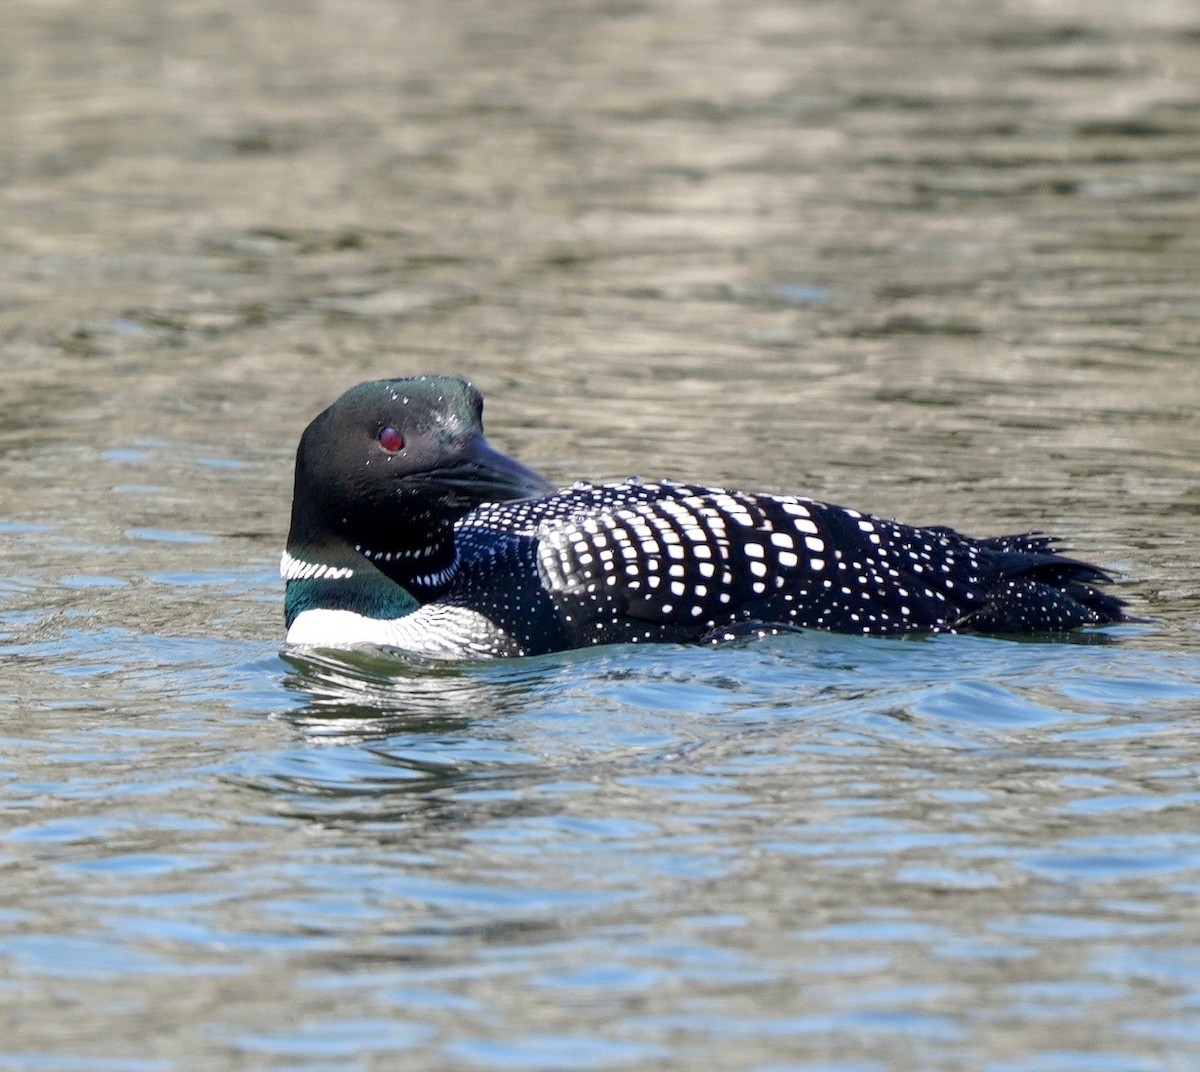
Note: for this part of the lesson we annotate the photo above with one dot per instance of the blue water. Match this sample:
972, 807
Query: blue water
806, 852
933, 261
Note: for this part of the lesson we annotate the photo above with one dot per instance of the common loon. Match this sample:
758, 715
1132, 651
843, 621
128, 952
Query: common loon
409, 531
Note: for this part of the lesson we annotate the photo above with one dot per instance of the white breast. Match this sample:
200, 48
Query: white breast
437, 631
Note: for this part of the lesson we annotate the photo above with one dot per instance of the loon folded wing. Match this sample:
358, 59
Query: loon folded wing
686, 554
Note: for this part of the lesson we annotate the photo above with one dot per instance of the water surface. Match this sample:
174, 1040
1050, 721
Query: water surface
935, 262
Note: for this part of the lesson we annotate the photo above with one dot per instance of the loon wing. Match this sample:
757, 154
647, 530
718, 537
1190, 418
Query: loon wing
689, 555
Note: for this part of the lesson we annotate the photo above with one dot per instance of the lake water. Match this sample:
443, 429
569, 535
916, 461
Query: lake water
936, 261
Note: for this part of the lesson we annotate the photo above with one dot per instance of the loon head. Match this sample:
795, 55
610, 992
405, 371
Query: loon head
387, 469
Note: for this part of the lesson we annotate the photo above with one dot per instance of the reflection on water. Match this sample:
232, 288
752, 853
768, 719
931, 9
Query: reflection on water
933, 262
356, 695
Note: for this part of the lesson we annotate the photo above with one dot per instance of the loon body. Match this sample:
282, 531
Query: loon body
408, 531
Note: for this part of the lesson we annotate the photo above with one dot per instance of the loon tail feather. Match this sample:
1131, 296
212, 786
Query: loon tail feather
1056, 571
1034, 543
1107, 608
1046, 599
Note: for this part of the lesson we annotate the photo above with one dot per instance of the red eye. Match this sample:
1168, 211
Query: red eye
390, 439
